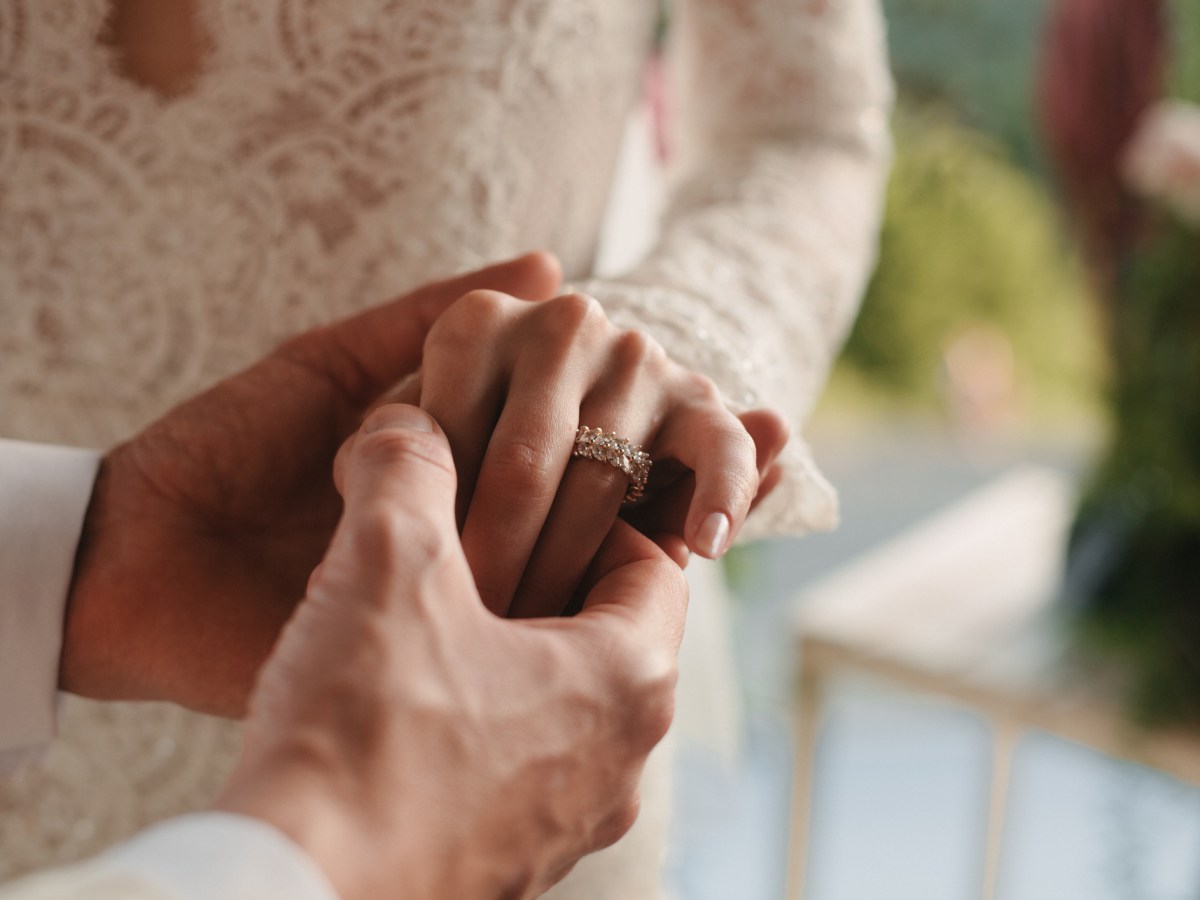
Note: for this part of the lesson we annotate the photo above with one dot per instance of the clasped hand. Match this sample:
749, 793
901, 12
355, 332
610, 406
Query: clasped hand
399, 730
204, 528
511, 381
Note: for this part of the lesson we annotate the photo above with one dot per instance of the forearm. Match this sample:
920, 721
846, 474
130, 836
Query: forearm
770, 235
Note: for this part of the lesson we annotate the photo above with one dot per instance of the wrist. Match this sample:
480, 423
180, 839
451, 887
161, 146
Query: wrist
112, 623
85, 634
294, 804
299, 797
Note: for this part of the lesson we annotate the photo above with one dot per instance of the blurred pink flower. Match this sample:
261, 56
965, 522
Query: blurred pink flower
1162, 161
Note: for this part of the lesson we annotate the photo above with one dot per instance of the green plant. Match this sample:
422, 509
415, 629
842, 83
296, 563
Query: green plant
1135, 546
969, 238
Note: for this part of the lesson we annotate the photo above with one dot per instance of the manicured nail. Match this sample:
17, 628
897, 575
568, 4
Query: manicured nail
713, 534
398, 415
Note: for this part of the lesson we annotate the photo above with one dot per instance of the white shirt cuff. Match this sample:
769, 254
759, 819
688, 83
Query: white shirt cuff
220, 856
44, 494
205, 856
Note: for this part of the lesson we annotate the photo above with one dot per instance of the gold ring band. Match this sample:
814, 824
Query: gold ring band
593, 443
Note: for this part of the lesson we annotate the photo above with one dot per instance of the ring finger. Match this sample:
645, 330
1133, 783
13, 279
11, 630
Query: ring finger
521, 470
588, 500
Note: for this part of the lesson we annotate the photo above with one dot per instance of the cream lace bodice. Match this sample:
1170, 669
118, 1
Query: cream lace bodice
332, 154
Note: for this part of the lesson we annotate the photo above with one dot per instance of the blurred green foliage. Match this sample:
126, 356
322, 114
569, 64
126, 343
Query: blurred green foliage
969, 238
1135, 545
972, 234
1185, 39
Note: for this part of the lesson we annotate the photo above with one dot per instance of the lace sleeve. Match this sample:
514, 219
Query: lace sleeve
771, 227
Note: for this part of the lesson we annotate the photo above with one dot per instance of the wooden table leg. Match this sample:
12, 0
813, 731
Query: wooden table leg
808, 714
1006, 734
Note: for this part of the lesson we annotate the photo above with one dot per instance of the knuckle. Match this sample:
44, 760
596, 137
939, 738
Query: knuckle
570, 313
702, 388
648, 692
633, 349
768, 427
463, 321
379, 528
545, 265
729, 459
581, 306
737, 441
618, 823
384, 535
397, 448
743, 476
656, 711
482, 304
524, 469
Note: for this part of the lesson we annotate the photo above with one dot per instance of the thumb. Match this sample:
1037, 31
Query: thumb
367, 353
397, 477
636, 578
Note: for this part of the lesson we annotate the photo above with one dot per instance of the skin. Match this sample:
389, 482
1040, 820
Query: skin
532, 518
511, 382
519, 763
203, 529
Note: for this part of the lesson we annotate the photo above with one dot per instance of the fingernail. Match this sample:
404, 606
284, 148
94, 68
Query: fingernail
713, 534
397, 415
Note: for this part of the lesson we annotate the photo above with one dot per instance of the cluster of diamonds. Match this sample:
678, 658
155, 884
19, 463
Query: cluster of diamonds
593, 443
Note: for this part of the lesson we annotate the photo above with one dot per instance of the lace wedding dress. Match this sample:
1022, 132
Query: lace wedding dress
332, 154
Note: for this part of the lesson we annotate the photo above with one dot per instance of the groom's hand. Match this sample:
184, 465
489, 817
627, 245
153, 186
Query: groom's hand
203, 529
402, 734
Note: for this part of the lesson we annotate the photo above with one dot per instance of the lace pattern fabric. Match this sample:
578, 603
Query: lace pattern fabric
332, 154
770, 235
328, 156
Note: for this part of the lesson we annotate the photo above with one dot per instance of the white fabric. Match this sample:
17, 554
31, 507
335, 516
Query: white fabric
44, 494
205, 856
335, 153
770, 232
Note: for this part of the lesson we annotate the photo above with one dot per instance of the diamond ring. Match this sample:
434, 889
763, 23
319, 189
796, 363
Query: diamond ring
593, 443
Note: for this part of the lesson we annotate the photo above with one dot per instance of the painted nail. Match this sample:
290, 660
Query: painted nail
397, 415
713, 534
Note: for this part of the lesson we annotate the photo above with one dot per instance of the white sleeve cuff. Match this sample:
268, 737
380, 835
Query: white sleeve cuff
220, 856
44, 494
206, 856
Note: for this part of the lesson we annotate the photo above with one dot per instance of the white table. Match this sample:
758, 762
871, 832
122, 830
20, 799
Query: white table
962, 606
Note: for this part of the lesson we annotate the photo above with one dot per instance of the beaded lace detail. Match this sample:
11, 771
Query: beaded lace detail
330, 155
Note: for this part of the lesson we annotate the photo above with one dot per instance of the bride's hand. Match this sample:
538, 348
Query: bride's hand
511, 381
